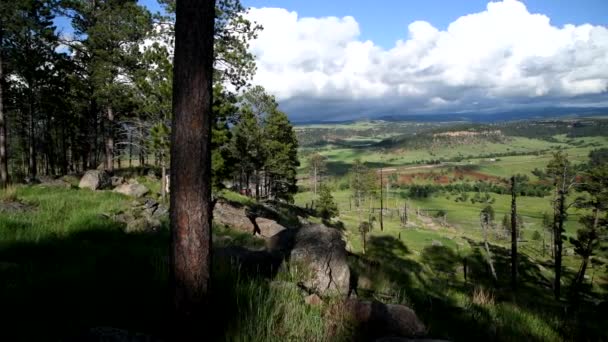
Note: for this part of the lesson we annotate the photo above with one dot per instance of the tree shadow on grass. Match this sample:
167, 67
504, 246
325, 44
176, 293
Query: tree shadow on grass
431, 288
60, 287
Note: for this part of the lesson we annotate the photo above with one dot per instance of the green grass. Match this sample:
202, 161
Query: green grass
65, 268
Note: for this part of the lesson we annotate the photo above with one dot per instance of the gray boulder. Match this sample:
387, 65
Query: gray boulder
133, 190
233, 216
385, 319
116, 181
322, 252
268, 228
95, 180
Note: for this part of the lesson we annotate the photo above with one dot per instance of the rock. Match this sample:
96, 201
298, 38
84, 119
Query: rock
133, 190
116, 181
31, 181
152, 208
437, 243
322, 251
232, 215
52, 181
95, 180
10, 207
376, 318
313, 300
132, 181
268, 228
250, 262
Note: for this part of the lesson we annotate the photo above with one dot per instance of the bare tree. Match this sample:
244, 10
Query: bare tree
513, 234
191, 205
486, 218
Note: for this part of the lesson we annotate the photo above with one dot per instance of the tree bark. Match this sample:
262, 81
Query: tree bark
513, 235
191, 205
381, 203
32, 139
3, 152
557, 230
110, 140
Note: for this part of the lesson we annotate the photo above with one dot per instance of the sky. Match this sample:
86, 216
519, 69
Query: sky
340, 59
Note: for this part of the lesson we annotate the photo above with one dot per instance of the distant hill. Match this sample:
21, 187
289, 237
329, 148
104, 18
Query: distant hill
495, 117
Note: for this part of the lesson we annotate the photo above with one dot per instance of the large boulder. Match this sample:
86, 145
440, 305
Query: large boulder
232, 215
95, 180
375, 318
322, 252
268, 228
133, 190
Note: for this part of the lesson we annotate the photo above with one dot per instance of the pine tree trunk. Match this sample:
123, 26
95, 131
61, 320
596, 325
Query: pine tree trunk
191, 206
559, 244
3, 152
513, 235
33, 170
381, 203
110, 140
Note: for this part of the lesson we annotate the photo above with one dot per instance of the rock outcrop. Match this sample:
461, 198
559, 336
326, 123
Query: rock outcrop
133, 190
268, 228
233, 216
95, 180
379, 319
322, 253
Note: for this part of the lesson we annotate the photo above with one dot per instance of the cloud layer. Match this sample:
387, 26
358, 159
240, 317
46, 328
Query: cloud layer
504, 57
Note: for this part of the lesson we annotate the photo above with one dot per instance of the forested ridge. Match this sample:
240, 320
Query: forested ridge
101, 97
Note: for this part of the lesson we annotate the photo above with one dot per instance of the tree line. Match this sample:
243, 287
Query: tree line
98, 92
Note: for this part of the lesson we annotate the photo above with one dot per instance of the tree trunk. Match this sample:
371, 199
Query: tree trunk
191, 205
130, 148
488, 252
580, 277
3, 151
32, 141
315, 180
559, 244
381, 203
110, 140
513, 235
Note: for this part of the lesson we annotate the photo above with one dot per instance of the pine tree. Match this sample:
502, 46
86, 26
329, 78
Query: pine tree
594, 223
191, 206
282, 158
326, 207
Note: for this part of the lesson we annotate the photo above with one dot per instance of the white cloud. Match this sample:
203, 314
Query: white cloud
504, 54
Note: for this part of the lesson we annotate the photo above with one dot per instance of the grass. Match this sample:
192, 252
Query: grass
65, 268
